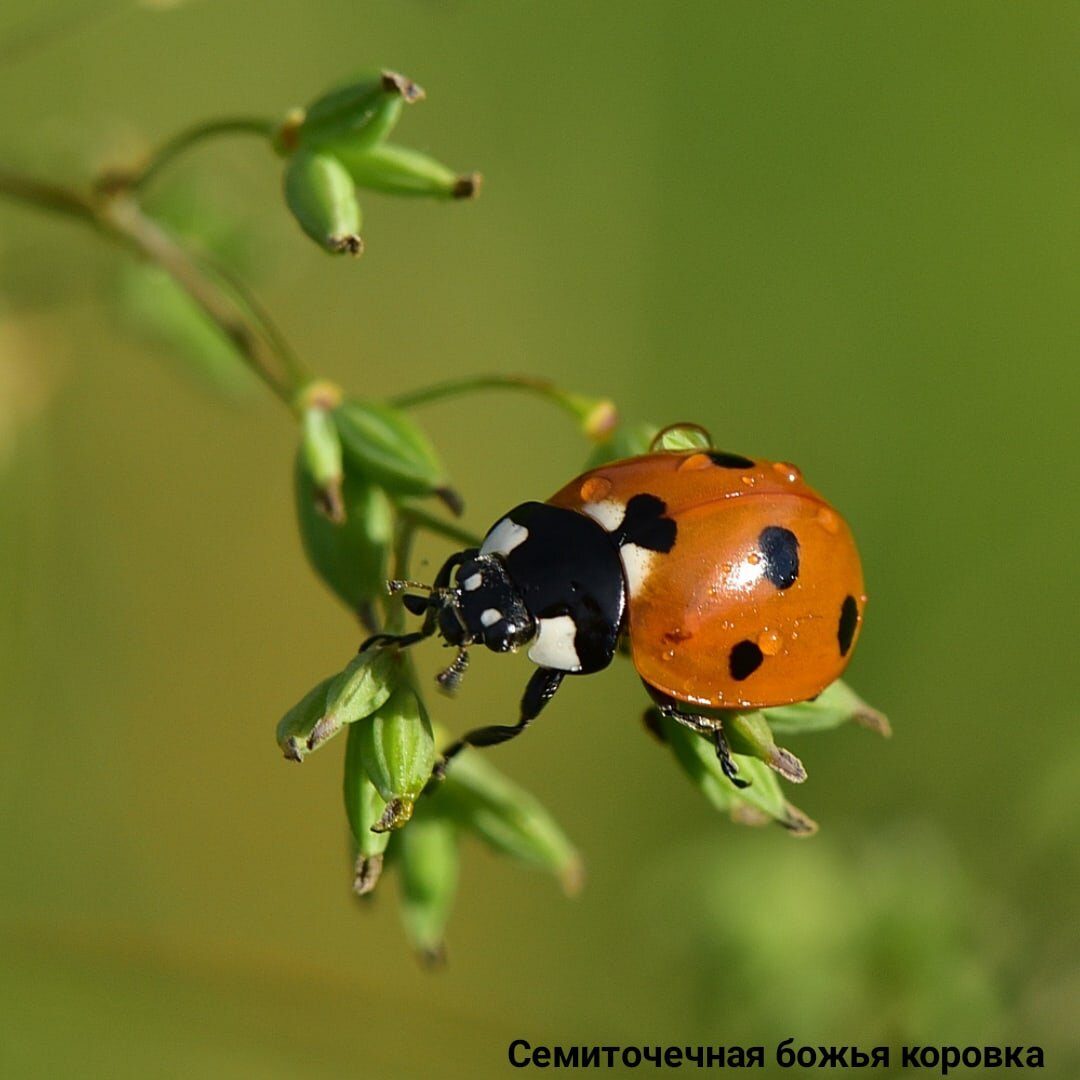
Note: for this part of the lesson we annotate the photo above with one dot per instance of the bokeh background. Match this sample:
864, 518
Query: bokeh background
844, 235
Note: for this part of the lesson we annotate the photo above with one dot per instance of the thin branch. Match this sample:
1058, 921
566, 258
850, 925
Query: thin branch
47, 196
184, 140
126, 219
231, 307
424, 520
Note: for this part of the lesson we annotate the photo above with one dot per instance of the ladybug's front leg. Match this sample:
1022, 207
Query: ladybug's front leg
539, 691
712, 729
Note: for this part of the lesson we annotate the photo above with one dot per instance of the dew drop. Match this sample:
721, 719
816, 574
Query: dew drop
595, 488
695, 462
791, 473
770, 642
828, 520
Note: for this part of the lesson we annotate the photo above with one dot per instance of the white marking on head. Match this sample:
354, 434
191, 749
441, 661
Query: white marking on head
503, 538
554, 644
637, 565
490, 616
609, 513
473, 582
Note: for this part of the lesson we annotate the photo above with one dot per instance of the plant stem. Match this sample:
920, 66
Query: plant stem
117, 214
597, 416
174, 147
422, 519
47, 196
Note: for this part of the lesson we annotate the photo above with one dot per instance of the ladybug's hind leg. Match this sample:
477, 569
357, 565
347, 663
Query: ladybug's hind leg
711, 729
539, 691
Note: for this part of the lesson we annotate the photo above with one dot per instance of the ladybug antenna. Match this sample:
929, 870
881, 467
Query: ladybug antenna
450, 679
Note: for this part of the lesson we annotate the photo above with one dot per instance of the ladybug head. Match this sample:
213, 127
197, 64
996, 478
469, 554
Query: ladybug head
482, 606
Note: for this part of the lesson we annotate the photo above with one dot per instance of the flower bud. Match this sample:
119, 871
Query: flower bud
397, 749
364, 807
507, 818
358, 114
426, 854
398, 170
389, 449
322, 197
351, 557
837, 704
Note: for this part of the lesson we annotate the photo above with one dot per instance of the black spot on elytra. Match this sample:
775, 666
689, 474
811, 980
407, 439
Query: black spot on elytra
729, 461
780, 547
644, 524
849, 620
744, 659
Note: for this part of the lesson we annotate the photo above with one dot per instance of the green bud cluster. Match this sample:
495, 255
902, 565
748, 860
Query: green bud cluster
474, 799
355, 462
338, 144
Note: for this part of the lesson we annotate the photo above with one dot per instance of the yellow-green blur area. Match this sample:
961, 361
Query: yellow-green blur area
844, 235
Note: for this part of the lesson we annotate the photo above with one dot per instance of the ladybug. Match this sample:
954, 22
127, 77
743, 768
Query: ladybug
736, 585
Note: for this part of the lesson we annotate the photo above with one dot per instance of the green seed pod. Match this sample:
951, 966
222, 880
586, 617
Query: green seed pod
363, 687
322, 197
360, 113
507, 818
762, 800
427, 856
837, 704
397, 748
748, 733
295, 727
364, 807
320, 459
397, 170
386, 446
350, 557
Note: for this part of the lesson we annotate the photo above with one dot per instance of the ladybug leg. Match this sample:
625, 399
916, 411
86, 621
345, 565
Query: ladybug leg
711, 729
723, 752
539, 691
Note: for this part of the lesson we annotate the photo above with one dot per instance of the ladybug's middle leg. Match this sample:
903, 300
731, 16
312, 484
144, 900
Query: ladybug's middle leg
539, 691
712, 729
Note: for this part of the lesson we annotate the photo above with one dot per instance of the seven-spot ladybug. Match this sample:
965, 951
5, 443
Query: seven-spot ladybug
736, 584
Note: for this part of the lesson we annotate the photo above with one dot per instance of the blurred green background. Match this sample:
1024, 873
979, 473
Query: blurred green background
844, 235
